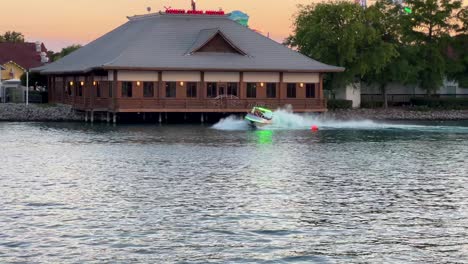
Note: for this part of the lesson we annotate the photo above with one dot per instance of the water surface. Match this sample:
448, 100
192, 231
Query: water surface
356, 193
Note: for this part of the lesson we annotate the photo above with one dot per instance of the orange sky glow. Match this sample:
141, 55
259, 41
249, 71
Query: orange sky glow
59, 23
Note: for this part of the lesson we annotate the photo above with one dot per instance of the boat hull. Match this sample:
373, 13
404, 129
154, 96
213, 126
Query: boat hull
256, 122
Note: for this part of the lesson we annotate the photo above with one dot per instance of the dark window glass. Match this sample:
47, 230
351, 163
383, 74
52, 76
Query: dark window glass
171, 89
221, 90
211, 90
271, 90
127, 88
80, 88
310, 90
191, 90
69, 88
111, 86
232, 89
251, 90
291, 93
148, 89
98, 89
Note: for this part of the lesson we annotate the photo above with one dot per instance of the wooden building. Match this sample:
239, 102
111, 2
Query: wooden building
186, 63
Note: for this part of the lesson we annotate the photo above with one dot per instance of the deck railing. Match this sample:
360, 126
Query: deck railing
218, 104
191, 105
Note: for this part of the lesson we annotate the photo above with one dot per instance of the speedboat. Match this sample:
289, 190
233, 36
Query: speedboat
259, 117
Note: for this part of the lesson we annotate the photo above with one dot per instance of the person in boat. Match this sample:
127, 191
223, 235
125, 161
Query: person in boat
258, 113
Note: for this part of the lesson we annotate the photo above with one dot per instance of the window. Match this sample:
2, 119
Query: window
271, 90
251, 90
171, 89
191, 90
291, 93
80, 88
310, 90
98, 89
111, 85
211, 90
221, 90
232, 89
127, 88
148, 89
68, 88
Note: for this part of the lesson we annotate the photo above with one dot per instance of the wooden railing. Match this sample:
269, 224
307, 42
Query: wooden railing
191, 105
217, 104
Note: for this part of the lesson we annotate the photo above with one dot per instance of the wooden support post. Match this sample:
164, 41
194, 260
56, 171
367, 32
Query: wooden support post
160, 118
114, 118
86, 116
202, 119
92, 116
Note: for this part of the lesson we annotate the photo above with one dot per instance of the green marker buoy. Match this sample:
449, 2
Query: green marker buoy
408, 10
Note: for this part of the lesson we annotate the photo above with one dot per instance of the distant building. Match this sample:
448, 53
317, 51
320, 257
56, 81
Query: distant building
17, 58
186, 63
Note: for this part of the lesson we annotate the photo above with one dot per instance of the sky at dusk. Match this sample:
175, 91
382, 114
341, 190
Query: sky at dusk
59, 23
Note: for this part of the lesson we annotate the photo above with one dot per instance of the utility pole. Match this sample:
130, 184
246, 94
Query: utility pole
27, 87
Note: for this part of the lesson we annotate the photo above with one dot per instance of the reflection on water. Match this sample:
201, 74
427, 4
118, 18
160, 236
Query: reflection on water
264, 137
193, 194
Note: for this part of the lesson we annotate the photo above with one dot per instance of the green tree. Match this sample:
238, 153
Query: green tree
462, 16
404, 66
35, 79
429, 27
12, 36
342, 34
457, 53
65, 51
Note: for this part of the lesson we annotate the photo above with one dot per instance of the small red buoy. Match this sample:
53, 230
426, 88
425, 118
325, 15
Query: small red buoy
314, 128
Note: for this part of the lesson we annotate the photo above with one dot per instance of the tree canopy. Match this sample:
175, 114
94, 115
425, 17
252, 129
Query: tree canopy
64, 52
342, 34
12, 36
382, 43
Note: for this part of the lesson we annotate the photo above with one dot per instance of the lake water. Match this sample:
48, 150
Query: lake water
354, 192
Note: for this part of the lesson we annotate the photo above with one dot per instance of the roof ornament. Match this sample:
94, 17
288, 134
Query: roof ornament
194, 5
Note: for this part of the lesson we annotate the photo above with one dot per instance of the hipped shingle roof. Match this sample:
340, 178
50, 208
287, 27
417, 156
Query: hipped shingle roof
163, 41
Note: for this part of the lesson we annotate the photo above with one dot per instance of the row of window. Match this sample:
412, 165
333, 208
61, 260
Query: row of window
213, 90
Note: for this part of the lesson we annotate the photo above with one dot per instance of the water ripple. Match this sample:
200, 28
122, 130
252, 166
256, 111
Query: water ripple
74, 193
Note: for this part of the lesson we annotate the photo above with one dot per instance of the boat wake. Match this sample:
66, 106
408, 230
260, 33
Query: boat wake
285, 119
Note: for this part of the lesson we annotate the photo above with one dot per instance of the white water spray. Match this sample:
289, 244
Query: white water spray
285, 119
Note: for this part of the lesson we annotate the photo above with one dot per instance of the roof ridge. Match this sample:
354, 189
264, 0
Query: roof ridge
163, 14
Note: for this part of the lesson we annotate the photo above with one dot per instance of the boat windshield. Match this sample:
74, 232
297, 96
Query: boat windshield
263, 112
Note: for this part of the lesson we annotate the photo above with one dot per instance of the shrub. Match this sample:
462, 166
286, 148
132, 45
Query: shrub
339, 104
440, 103
38, 97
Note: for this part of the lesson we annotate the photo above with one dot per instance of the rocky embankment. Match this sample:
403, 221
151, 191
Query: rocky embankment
38, 112
60, 113
403, 113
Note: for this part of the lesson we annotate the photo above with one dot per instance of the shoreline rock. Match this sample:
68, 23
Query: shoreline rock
64, 113
397, 114
38, 113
